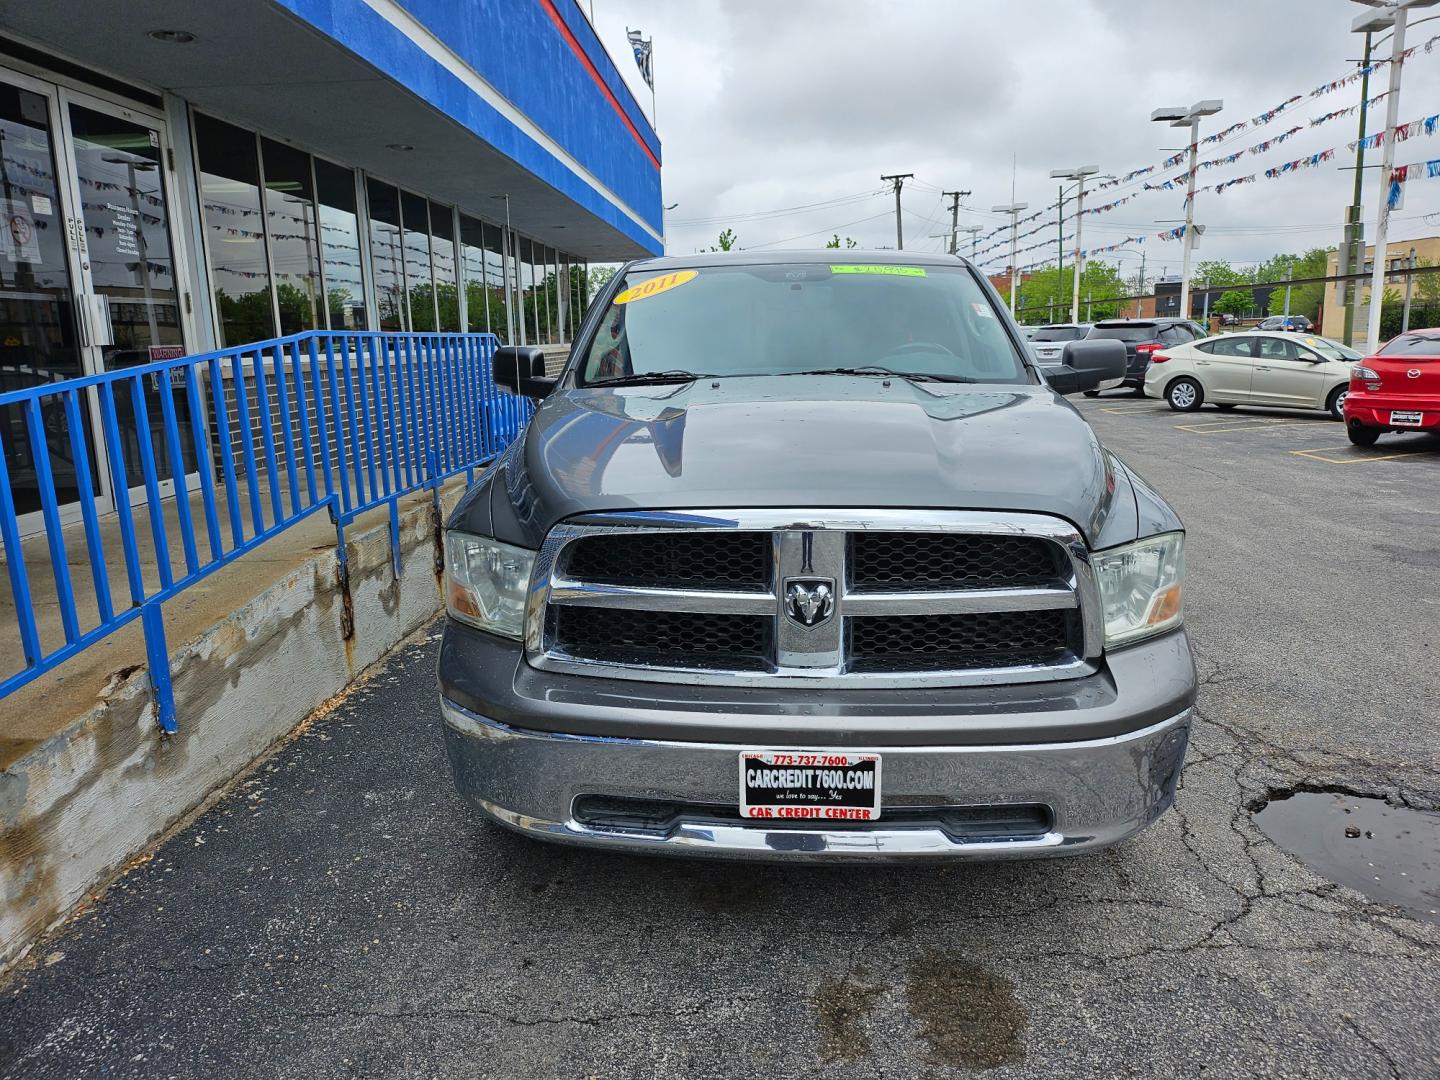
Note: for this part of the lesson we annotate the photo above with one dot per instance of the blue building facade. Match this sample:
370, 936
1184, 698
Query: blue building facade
179, 177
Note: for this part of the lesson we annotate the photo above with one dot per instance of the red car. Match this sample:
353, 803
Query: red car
1397, 389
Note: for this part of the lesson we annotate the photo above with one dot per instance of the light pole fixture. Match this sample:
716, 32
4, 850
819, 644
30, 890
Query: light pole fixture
1013, 209
1385, 13
1180, 117
974, 231
1079, 174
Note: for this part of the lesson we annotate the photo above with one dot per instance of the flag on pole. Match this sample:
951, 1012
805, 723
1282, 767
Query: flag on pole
643, 50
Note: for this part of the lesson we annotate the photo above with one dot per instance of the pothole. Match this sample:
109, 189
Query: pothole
1389, 853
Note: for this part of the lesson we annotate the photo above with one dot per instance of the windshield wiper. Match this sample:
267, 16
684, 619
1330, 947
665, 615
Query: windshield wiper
637, 378
876, 369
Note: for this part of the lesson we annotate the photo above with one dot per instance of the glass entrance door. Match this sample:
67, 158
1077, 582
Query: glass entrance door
130, 267
39, 339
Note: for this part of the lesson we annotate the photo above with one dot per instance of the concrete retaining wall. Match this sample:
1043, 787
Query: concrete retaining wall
74, 810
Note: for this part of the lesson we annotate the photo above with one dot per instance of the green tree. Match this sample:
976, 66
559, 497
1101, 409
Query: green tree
1045, 295
1235, 302
726, 240
834, 242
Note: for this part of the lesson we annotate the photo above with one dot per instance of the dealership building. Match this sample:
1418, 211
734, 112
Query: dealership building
180, 177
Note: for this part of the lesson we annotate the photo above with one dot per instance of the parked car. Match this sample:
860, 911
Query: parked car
1142, 338
1298, 323
1029, 332
1397, 389
1273, 369
1048, 342
1229, 319
806, 561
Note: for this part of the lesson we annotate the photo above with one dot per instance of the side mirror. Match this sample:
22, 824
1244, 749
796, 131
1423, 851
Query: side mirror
520, 369
1089, 364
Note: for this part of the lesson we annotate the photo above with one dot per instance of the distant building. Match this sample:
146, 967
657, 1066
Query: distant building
1397, 255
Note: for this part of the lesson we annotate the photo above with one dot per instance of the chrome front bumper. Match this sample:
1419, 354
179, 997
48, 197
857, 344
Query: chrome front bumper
1098, 791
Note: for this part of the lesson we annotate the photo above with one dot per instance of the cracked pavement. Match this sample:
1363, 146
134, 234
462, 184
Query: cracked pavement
341, 913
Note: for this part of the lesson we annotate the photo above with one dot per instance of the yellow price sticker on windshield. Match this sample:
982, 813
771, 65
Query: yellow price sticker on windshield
656, 285
897, 271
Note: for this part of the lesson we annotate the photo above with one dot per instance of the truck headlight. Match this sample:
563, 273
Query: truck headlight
486, 583
1140, 587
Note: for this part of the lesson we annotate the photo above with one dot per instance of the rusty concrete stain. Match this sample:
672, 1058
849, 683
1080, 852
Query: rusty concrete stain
967, 1015
842, 1006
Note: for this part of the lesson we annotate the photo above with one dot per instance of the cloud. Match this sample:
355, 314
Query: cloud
766, 105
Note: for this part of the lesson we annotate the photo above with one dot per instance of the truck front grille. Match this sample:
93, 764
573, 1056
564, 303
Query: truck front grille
663, 638
959, 642
816, 597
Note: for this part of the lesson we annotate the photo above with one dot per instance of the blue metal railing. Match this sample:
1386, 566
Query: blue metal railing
267, 434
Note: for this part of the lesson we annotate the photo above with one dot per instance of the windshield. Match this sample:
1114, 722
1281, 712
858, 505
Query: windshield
1128, 332
787, 318
1059, 333
1412, 345
1330, 350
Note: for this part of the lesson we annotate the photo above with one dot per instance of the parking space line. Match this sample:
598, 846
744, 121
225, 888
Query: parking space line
1216, 427
1318, 454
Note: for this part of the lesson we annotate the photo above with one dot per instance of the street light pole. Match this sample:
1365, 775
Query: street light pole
1076, 174
974, 231
1013, 209
1188, 118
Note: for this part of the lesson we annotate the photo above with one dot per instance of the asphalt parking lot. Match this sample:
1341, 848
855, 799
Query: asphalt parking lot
340, 913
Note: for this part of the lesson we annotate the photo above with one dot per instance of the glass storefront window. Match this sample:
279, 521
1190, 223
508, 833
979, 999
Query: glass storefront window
442, 249
234, 233
497, 283
529, 296
386, 258
472, 266
294, 246
415, 217
340, 246
546, 255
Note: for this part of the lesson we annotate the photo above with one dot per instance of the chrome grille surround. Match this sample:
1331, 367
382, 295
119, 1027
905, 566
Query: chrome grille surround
808, 543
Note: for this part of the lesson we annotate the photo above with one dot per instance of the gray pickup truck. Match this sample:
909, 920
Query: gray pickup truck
801, 557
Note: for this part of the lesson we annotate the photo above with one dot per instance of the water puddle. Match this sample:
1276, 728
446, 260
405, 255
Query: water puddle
1389, 853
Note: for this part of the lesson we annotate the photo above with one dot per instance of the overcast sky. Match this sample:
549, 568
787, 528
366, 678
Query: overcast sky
766, 105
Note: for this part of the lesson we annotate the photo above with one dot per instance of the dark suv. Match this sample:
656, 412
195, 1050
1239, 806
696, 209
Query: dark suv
1141, 338
800, 557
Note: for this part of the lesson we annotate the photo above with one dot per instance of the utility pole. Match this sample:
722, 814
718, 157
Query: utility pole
1013, 209
1352, 251
897, 181
1139, 302
955, 197
1289, 273
1205, 283
1409, 282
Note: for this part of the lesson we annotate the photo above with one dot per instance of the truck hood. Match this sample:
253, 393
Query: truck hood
802, 441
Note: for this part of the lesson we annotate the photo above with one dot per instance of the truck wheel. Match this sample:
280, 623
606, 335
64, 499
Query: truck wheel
1185, 395
1361, 435
1335, 405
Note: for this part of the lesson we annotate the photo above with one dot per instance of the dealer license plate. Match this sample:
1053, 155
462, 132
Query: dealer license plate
1415, 418
795, 785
